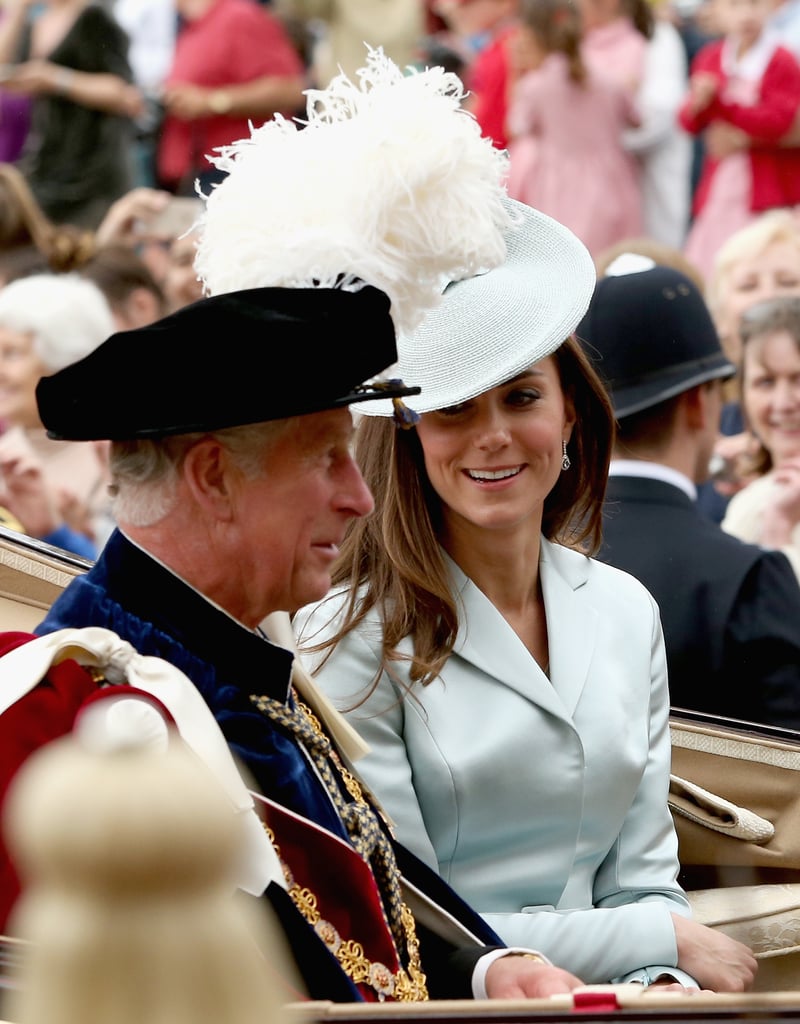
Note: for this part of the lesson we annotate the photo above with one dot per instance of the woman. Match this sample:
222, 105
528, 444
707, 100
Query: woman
57, 489
513, 690
758, 262
767, 510
71, 58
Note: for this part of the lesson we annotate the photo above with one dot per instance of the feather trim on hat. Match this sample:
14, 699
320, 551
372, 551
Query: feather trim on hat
388, 182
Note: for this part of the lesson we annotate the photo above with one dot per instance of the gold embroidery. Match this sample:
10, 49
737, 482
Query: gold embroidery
405, 986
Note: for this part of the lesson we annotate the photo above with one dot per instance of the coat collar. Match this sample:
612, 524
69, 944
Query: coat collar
487, 641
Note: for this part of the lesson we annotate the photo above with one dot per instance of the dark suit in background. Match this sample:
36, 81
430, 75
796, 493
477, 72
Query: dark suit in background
730, 611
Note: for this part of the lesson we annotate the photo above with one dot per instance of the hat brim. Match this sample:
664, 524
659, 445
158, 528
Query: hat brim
644, 394
490, 327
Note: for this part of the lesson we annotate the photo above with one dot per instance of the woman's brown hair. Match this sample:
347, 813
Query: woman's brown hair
391, 560
25, 228
556, 25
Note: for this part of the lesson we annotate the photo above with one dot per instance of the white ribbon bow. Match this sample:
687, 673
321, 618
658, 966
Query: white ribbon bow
24, 667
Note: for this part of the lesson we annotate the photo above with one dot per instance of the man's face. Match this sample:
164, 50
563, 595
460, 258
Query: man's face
292, 519
712, 397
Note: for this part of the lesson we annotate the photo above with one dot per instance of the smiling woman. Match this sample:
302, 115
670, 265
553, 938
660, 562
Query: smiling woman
487, 659
767, 511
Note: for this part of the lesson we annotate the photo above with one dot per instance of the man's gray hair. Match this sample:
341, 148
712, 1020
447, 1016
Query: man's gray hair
145, 473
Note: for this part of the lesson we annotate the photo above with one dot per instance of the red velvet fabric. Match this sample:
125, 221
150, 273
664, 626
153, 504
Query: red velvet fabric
45, 713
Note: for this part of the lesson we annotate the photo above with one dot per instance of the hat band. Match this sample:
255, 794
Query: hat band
691, 367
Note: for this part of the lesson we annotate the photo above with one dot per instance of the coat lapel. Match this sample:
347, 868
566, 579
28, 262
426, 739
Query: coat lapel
572, 619
487, 641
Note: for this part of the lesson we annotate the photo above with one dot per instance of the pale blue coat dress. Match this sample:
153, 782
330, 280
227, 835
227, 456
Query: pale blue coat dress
543, 802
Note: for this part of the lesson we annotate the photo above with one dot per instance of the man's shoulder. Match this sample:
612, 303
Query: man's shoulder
676, 533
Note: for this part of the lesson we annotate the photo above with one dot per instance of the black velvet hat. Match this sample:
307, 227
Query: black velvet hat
650, 336
233, 359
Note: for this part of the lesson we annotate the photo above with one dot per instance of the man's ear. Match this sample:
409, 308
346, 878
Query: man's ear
696, 406
207, 474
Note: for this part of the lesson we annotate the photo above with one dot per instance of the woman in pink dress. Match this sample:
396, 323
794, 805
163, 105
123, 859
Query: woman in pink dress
748, 80
566, 123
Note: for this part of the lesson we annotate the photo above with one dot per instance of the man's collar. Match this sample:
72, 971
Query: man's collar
653, 471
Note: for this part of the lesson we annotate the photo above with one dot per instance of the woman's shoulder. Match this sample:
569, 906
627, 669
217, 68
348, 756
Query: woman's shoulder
609, 586
320, 620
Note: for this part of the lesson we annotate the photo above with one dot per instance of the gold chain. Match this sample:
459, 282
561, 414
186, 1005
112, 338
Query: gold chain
404, 986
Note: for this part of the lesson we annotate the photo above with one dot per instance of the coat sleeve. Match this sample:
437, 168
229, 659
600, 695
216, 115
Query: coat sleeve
636, 888
762, 642
771, 117
705, 61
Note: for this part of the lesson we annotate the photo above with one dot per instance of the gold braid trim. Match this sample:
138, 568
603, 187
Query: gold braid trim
405, 986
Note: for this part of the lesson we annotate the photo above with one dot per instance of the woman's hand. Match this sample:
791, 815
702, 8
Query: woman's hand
715, 960
35, 78
703, 87
128, 219
780, 517
731, 463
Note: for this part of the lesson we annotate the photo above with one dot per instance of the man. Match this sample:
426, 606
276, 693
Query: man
233, 63
234, 485
730, 611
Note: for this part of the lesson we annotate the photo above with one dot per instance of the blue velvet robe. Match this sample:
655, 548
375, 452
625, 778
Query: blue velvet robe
132, 594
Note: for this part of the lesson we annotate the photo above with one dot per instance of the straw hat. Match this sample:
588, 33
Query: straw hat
489, 327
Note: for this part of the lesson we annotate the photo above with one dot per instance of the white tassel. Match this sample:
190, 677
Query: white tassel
389, 183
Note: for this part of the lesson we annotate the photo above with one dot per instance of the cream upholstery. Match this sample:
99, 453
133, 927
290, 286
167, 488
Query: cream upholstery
764, 917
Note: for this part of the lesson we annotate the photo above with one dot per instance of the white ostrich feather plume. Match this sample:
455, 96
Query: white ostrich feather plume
390, 183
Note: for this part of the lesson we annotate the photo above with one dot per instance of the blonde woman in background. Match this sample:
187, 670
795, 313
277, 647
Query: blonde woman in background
767, 510
760, 261
57, 489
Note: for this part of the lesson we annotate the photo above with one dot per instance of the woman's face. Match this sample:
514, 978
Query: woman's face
771, 391
20, 370
770, 273
180, 283
744, 19
494, 459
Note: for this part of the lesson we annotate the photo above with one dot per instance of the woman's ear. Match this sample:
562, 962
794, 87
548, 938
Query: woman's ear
569, 417
207, 473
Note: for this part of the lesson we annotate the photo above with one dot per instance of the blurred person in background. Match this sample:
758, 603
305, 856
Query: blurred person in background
131, 290
745, 79
758, 262
29, 241
337, 31
234, 63
565, 123
767, 510
642, 51
730, 611
151, 27
70, 56
57, 489
180, 283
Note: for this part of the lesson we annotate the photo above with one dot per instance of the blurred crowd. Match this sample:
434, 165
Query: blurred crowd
658, 126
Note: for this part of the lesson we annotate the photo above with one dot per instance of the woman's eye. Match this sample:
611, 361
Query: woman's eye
453, 410
523, 396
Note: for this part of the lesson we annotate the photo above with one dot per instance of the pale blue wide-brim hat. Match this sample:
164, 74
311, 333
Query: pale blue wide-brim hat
488, 328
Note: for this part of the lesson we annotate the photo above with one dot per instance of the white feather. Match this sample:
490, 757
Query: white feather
389, 182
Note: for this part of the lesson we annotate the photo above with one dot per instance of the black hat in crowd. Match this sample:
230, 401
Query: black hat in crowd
233, 359
650, 336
